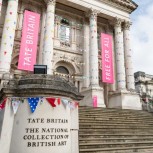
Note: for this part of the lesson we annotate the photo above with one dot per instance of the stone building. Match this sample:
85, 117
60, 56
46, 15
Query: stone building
69, 44
144, 84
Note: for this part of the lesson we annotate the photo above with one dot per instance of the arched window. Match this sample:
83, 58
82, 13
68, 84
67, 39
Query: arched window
65, 31
62, 69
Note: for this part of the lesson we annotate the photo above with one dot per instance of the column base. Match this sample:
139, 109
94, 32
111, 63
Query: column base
125, 100
88, 96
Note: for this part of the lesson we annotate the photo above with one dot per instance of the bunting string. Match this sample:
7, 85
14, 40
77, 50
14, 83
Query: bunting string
33, 102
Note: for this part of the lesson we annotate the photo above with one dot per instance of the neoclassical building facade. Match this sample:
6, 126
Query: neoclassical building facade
69, 44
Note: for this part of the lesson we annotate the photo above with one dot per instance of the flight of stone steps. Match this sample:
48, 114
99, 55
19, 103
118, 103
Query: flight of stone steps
115, 131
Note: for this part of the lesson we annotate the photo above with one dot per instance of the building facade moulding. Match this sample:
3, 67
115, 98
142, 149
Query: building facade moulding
118, 22
124, 3
50, 2
93, 12
127, 25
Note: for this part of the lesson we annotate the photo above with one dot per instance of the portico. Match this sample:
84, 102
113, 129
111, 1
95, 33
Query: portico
68, 38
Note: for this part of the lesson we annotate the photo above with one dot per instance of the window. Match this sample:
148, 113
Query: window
62, 69
65, 31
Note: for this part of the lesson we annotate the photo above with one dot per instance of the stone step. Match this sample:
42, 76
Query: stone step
116, 139
88, 123
115, 122
115, 119
134, 131
115, 131
107, 110
117, 115
102, 126
114, 144
115, 111
139, 149
114, 135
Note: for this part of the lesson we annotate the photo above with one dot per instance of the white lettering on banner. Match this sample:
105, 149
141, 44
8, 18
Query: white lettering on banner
28, 49
107, 58
29, 39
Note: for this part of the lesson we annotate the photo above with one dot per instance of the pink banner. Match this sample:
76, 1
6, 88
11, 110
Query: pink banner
28, 49
94, 99
107, 60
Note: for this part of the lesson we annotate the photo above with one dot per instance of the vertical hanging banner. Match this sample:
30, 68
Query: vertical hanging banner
28, 49
94, 100
107, 59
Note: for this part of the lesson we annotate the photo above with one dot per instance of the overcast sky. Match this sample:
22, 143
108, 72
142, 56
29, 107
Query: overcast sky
142, 36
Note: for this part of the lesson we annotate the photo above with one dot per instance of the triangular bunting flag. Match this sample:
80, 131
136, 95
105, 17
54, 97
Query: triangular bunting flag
59, 101
76, 104
71, 105
65, 102
51, 101
33, 102
41, 100
2, 105
15, 104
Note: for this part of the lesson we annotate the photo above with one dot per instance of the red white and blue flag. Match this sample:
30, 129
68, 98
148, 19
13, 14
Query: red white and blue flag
33, 102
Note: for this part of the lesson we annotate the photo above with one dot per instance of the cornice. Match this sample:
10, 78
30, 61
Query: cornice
128, 4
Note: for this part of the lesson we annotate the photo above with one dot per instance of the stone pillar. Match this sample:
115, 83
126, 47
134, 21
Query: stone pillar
94, 89
93, 53
49, 36
128, 56
7, 127
42, 36
120, 65
86, 55
8, 36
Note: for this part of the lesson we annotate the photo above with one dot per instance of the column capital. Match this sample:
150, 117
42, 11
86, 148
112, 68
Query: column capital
93, 12
127, 25
50, 2
118, 22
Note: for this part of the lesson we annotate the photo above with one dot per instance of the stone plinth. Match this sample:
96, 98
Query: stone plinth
90, 93
48, 129
125, 100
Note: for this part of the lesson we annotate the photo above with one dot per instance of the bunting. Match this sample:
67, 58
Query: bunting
15, 104
33, 102
59, 101
51, 101
65, 102
72, 105
2, 105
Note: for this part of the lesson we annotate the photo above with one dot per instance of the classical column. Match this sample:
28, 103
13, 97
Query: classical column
93, 53
128, 56
8, 36
86, 55
120, 65
49, 36
42, 36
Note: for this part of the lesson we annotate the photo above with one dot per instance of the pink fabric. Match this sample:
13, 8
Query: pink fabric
28, 49
94, 99
107, 60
